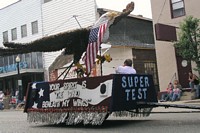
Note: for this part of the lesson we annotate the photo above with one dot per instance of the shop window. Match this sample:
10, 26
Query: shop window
14, 34
23, 31
11, 60
5, 36
34, 26
34, 60
39, 60
177, 8
5, 61
28, 59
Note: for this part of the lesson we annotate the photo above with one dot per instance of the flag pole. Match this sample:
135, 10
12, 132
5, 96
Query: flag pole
100, 61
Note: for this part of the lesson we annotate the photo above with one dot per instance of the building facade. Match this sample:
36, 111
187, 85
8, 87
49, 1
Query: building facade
20, 22
59, 16
167, 15
26, 21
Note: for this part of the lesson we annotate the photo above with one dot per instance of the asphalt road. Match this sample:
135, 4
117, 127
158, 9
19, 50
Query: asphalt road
15, 122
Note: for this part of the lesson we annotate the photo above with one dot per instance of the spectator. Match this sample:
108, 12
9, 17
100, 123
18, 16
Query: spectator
126, 68
169, 93
1, 100
1, 96
194, 83
176, 91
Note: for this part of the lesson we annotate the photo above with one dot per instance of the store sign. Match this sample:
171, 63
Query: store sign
13, 67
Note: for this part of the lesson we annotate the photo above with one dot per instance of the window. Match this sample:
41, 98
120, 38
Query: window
28, 59
14, 34
11, 60
34, 27
34, 60
45, 1
5, 61
1, 63
5, 36
150, 68
39, 60
23, 30
165, 32
177, 8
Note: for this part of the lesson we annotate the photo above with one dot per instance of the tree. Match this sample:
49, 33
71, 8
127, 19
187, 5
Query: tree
188, 44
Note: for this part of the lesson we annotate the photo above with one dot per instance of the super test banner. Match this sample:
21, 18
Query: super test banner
79, 94
131, 90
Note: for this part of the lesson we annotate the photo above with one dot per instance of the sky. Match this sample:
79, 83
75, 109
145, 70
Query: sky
142, 7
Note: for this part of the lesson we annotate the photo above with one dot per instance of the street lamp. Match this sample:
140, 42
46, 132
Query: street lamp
19, 78
17, 60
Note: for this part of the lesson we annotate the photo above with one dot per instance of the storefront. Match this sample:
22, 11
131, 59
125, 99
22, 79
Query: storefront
30, 69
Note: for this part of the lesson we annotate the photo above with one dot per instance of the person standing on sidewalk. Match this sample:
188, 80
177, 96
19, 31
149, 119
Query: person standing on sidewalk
194, 83
1, 100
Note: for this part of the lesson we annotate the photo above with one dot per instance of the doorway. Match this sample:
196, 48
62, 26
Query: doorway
183, 67
144, 61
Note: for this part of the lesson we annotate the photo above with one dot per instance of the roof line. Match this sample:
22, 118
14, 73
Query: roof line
130, 15
10, 5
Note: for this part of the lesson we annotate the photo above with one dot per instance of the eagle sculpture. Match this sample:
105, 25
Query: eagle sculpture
73, 42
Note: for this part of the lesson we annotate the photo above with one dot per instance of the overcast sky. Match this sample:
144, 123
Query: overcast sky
142, 7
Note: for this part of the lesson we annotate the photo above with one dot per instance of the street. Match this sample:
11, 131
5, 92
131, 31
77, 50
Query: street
12, 121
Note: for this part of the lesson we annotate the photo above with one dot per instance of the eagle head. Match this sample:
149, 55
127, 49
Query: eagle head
112, 17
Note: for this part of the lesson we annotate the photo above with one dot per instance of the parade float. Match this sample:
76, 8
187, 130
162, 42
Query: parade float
85, 99
89, 100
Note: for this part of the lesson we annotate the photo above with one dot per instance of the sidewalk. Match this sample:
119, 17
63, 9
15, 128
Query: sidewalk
195, 102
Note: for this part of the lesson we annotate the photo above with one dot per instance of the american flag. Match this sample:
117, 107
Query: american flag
95, 39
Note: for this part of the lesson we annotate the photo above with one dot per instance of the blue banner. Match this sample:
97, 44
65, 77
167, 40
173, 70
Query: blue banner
129, 91
13, 67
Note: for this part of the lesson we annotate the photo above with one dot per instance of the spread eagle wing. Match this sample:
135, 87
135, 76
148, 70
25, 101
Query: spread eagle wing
74, 42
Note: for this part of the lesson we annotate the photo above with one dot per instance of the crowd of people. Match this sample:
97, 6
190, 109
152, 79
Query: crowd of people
174, 91
10, 98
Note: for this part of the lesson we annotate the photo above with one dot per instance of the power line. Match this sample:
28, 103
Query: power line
59, 26
74, 16
161, 11
77, 20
